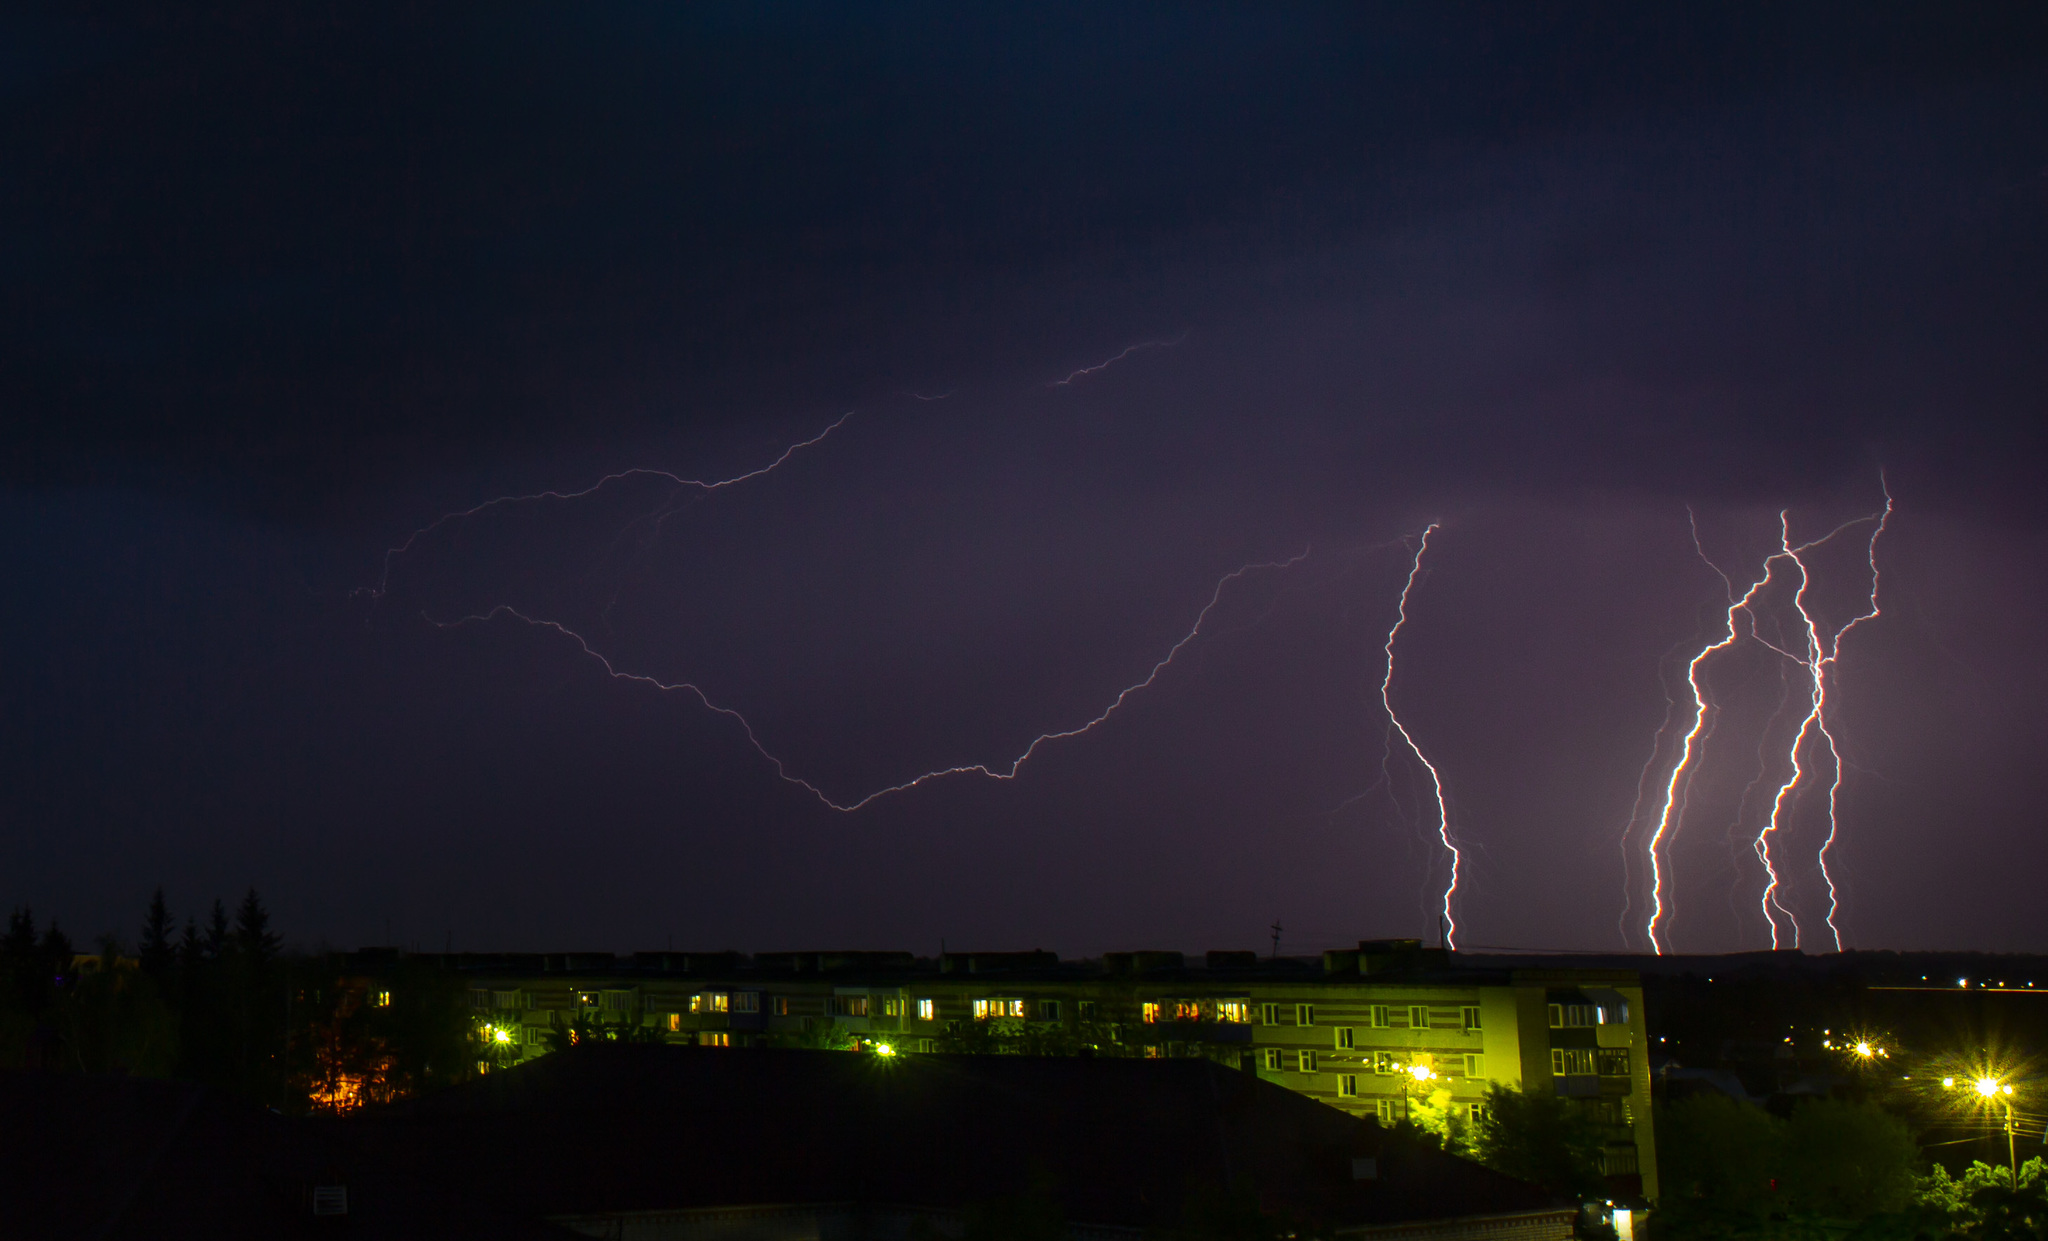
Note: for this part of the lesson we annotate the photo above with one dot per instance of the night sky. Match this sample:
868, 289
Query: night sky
282, 284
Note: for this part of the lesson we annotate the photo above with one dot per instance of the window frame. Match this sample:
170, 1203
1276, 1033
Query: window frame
1304, 1014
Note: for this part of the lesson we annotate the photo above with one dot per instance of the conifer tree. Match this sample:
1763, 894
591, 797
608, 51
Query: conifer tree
253, 937
216, 943
155, 947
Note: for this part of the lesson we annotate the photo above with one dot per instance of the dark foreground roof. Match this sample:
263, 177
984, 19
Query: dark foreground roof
1118, 1142
612, 1129
115, 1158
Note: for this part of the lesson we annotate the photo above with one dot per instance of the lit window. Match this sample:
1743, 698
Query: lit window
1148, 1012
711, 1002
1273, 1059
675, 1022
927, 1010
1571, 1061
1154, 1052
1308, 1061
892, 1006
1347, 1085
1048, 1010
1418, 1017
713, 1038
747, 1002
1344, 1038
1304, 1014
849, 1006
1234, 1010
1269, 1014
1187, 1010
781, 1006
1016, 1008
382, 1000
1469, 1015
1382, 1016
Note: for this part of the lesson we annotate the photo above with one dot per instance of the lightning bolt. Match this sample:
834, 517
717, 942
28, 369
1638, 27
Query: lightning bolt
993, 772
1443, 823
1106, 363
1672, 812
1818, 656
1822, 653
393, 554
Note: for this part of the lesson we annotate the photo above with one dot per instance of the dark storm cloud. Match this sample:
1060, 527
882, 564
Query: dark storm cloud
280, 285
297, 245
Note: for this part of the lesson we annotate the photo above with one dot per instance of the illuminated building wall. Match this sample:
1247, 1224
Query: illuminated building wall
1392, 1030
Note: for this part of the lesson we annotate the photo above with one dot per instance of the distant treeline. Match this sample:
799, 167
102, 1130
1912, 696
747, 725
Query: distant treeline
222, 1003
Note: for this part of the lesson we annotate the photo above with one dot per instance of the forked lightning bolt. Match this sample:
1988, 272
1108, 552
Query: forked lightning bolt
1821, 656
1443, 818
996, 772
1740, 622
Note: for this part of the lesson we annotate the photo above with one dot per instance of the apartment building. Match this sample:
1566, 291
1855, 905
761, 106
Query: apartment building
1390, 1030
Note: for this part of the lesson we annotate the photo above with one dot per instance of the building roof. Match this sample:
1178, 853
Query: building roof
613, 1128
115, 1158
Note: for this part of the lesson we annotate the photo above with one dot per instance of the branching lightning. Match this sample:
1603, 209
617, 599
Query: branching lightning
1821, 656
1817, 657
1106, 363
1443, 824
997, 772
394, 553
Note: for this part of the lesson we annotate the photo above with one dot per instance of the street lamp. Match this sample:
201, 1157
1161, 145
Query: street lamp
1992, 1091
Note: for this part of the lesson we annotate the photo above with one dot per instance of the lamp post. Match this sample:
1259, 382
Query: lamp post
1989, 1089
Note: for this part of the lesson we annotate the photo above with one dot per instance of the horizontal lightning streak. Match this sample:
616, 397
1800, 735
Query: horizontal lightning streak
1106, 363
392, 554
782, 769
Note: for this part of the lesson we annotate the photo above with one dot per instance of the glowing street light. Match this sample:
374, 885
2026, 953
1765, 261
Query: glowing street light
1992, 1091
1421, 1072
884, 1050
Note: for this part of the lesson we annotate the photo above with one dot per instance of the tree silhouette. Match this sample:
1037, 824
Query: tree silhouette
155, 948
253, 938
215, 945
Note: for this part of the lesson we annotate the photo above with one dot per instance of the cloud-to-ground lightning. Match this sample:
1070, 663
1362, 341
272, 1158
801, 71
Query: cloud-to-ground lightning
394, 553
1818, 655
994, 772
1443, 818
1106, 363
1822, 654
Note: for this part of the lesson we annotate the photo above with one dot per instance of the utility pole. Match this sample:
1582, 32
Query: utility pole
1276, 939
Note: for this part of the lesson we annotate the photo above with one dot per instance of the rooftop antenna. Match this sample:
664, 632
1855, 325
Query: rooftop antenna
1276, 939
